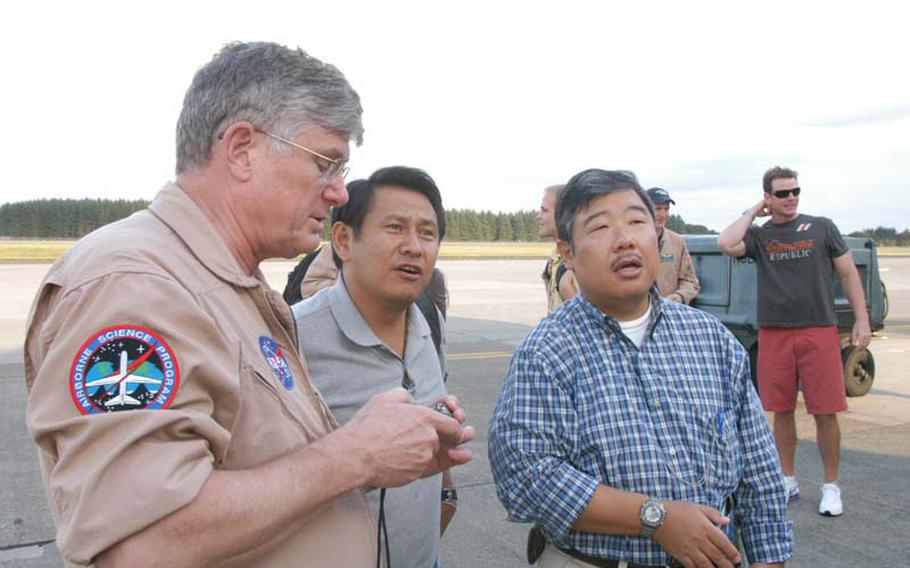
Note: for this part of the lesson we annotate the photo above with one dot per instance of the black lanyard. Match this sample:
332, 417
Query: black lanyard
382, 531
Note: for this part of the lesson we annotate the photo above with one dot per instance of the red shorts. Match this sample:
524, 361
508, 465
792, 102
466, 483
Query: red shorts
801, 357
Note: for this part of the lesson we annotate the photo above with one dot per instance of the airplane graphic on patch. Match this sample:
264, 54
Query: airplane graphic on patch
123, 378
103, 379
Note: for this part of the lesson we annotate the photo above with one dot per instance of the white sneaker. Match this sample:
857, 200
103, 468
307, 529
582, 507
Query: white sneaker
792, 487
831, 504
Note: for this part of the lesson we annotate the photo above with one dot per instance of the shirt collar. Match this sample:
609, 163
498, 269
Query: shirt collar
593, 312
771, 224
355, 327
176, 210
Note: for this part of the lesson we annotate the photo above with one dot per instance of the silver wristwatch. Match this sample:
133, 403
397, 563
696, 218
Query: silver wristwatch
652, 516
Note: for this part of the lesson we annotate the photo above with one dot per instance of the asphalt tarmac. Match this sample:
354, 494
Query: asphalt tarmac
493, 305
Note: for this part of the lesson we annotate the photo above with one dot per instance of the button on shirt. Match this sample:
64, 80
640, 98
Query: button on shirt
676, 419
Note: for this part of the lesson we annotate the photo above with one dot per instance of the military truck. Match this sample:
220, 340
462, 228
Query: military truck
728, 291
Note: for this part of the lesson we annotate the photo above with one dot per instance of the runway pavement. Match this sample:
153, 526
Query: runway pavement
494, 303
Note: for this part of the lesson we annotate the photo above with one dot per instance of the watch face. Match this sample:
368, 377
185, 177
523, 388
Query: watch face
652, 514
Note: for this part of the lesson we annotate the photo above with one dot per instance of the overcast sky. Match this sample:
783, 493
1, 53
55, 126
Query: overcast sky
494, 99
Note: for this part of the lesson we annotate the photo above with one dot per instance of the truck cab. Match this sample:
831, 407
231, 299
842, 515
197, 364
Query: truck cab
728, 291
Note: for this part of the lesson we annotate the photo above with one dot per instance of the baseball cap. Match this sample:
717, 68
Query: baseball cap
659, 195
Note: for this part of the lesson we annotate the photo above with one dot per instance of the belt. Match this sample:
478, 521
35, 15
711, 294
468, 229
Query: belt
610, 563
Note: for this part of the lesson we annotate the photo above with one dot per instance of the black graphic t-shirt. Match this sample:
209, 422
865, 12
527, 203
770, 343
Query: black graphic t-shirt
795, 272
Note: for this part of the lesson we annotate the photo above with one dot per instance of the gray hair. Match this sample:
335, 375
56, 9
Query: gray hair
557, 189
278, 89
587, 185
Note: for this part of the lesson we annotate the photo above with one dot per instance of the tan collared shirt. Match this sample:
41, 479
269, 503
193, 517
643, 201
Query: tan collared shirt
321, 273
676, 275
223, 389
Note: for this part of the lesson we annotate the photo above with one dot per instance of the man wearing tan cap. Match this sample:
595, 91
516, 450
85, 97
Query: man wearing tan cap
176, 421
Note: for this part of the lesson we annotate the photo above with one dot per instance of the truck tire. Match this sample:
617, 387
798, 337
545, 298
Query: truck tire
859, 370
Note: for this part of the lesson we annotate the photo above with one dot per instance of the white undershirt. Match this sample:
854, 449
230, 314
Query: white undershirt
635, 329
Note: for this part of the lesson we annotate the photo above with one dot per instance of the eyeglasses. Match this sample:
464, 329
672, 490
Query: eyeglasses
785, 193
329, 169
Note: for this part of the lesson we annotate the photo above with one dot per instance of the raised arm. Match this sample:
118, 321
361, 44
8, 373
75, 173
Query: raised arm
730, 240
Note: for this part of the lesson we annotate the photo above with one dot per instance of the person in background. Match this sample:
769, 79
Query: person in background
676, 278
557, 275
796, 256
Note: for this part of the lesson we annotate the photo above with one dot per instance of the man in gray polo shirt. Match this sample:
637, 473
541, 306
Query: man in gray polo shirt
364, 335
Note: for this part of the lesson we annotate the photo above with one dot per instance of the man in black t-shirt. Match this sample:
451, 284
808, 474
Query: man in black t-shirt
796, 256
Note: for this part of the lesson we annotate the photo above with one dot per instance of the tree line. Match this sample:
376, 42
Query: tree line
886, 236
73, 218
62, 218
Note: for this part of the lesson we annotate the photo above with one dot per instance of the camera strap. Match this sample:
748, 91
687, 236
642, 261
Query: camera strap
382, 533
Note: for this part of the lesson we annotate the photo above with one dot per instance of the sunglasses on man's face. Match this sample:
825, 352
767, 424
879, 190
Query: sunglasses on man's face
785, 193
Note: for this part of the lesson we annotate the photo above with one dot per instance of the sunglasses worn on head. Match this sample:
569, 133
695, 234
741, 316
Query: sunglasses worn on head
785, 193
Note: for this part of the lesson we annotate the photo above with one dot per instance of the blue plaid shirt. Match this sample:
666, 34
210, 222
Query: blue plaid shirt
676, 419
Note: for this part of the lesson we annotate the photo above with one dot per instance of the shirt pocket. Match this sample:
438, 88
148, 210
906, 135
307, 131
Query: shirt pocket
267, 423
715, 449
703, 436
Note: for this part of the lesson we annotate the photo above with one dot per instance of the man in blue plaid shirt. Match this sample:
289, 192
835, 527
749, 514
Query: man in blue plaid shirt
627, 429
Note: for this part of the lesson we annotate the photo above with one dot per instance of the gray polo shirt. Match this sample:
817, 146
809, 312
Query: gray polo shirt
349, 364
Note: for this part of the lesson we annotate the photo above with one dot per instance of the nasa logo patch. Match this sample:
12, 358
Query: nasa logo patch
124, 367
274, 356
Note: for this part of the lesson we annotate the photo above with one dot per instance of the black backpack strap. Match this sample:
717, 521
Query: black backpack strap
429, 311
560, 272
295, 278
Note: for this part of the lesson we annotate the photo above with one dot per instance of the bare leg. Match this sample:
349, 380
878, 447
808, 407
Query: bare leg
785, 436
827, 432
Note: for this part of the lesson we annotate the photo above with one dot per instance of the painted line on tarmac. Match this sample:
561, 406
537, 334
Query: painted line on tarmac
23, 551
473, 356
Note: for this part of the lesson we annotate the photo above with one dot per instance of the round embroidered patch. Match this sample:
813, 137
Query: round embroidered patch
274, 356
124, 367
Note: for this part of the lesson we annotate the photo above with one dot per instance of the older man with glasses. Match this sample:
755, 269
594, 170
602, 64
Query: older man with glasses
796, 256
176, 420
